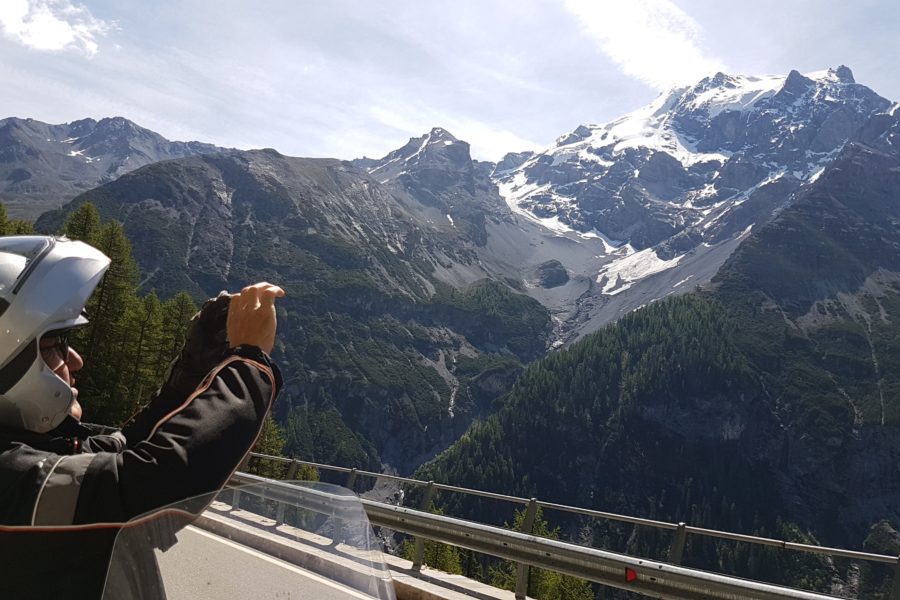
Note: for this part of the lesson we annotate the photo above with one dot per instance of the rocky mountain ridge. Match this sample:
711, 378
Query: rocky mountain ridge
43, 166
392, 336
623, 213
648, 205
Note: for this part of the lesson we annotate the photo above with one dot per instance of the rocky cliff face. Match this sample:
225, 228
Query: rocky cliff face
437, 171
821, 283
43, 166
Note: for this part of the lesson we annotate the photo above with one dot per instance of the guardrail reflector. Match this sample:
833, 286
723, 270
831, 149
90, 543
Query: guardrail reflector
630, 575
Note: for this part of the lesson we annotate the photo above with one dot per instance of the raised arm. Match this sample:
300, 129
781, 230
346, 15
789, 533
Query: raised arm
187, 441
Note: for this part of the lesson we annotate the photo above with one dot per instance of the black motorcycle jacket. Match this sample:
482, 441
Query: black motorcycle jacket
73, 487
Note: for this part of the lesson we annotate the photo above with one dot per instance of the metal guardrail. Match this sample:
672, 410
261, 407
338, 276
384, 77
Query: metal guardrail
507, 544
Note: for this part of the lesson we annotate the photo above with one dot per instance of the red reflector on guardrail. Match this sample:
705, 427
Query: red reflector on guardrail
630, 575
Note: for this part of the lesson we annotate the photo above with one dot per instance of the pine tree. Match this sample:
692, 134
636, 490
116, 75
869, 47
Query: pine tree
436, 555
106, 340
83, 223
144, 322
4, 221
175, 316
543, 585
269, 442
13, 226
21, 227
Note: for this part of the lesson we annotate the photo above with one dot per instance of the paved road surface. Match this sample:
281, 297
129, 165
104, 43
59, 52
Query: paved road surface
203, 566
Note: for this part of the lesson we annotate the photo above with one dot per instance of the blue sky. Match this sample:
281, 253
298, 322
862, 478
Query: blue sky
347, 78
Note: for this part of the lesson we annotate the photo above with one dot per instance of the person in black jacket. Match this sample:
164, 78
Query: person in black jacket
65, 487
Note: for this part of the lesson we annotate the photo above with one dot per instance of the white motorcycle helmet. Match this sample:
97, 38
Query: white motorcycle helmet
44, 284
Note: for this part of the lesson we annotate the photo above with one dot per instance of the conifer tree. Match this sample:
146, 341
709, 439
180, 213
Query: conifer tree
4, 221
176, 313
83, 223
21, 227
543, 585
13, 226
106, 338
144, 324
442, 557
270, 442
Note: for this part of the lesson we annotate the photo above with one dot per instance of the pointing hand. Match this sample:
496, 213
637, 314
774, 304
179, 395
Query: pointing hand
251, 316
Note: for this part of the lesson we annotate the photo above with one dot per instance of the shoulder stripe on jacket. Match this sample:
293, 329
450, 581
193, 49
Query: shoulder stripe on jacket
58, 496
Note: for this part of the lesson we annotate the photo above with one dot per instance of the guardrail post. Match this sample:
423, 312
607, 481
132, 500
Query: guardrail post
292, 470
236, 498
522, 569
289, 476
895, 588
245, 463
676, 552
420, 542
351, 479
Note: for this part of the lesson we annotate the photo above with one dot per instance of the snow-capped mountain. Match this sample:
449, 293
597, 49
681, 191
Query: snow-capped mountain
679, 181
690, 151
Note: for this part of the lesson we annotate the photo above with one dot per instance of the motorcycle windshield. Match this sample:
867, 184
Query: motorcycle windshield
284, 540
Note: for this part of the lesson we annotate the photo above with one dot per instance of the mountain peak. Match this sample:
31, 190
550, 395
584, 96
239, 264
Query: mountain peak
718, 80
441, 134
838, 74
682, 172
83, 123
437, 145
795, 85
843, 74
113, 124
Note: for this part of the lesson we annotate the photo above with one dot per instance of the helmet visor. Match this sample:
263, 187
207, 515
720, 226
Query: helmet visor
19, 255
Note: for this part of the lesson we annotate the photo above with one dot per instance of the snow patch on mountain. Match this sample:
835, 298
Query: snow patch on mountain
815, 176
648, 127
619, 275
518, 188
652, 126
736, 93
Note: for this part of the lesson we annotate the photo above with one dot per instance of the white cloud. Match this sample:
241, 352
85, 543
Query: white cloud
51, 25
653, 41
489, 142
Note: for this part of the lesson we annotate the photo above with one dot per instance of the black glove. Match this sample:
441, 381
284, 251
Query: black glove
205, 344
